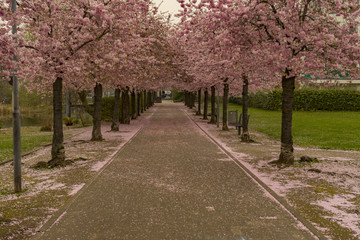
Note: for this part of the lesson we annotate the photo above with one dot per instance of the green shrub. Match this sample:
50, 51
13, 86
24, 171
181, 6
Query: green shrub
1, 125
68, 121
178, 96
307, 100
46, 128
107, 110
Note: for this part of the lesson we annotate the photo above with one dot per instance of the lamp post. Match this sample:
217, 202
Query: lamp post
16, 118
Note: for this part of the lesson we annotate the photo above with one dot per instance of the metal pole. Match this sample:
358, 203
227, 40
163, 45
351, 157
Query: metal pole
16, 119
218, 106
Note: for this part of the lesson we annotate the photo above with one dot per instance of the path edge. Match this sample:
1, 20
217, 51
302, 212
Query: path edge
62, 211
281, 201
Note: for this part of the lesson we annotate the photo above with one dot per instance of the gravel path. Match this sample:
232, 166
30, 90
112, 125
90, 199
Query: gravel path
172, 182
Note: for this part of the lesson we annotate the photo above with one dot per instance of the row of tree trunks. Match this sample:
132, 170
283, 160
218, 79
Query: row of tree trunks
186, 99
225, 105
206, 103
145, 100
213, 118
138, 104
245, 136
116, 115
199, 103
192, 100
141, 100
189, 99
148, 99
133, 105
125, 106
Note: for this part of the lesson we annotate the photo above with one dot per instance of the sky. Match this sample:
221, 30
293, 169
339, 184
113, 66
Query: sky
170, 6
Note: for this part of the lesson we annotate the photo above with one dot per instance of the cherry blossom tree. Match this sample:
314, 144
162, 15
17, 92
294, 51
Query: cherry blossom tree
57, 35
280, 38
7, 45
305, 37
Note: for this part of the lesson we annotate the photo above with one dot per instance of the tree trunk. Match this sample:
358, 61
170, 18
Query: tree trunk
133, 105
138, 104
225, 103
57, 150
96, 132
245, 136
141, 100
125, 106
148, 99
186, 97
116, 115
206, 102
199, 103
68, 105
152, 98
287, 151
213, 111
192, 100
144, 100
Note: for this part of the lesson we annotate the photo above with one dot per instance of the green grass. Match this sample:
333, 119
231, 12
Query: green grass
327, 130
31, 138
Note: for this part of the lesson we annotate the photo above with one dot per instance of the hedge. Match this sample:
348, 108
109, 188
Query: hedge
178, 96
307, 100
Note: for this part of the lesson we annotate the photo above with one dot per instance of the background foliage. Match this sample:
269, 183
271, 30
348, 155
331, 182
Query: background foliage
328, 99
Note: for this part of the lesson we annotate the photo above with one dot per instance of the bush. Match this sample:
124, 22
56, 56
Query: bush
178, 96
1, 125
307, 100
68, 121
107, 110
76, 121
46, 128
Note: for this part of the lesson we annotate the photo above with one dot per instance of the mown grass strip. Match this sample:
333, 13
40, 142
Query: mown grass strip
321, 129
31, 138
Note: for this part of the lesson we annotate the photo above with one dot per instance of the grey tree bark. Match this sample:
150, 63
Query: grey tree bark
96, 132
287, 150
245, 136
138, 103
133, 105
213, 110
199, 103
142, 101
206, 102
57, 148
225, 105
116, 115
125, 106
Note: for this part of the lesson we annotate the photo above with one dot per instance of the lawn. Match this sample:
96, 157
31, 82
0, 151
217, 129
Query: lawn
31, 138
328, 130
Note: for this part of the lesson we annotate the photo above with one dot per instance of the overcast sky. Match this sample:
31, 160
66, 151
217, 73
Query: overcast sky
170, 6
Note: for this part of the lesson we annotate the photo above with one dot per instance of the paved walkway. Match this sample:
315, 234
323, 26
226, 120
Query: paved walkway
172, 182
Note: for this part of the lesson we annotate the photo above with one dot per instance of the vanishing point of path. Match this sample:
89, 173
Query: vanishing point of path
172, 182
